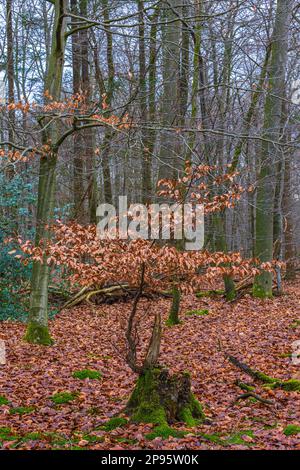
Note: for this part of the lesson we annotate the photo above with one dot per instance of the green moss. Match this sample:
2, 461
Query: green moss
237, 438
21, 410
55, 439
126, 440
295, 324
230, 295
165, 431
147, 413
192, 414
3, 400
173, 318
113, 423
145, 401
215, 438
92, 438
291, 430
146, 406
197, 312
87, 374
265, 378
244, 386
6, 434
291, 385
64, 397
233, 439
230, 291
33, 436
260, 292
38, 334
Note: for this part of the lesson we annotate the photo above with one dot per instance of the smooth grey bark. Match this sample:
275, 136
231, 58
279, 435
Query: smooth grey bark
270, 153
170, 100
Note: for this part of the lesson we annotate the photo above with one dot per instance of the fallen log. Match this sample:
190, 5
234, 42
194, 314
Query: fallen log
85, 294
246, 395
291, 385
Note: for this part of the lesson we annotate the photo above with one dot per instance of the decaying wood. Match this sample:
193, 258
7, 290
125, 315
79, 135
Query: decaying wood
246, 395
154, 345
244, 367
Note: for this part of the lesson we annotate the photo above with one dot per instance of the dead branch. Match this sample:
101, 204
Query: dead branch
246, 395
130, 336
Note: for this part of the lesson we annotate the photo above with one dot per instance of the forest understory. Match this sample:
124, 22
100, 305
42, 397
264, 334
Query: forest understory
72, 395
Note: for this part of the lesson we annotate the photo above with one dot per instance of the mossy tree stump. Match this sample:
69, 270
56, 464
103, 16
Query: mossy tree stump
163, 399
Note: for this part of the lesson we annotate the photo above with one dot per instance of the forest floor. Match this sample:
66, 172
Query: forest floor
259, 333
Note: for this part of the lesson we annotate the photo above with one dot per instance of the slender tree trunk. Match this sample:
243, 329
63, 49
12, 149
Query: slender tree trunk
288, 220
169, 158
37, 328
146, 156
10, 78
173, 318
219, 219
78, 170
269, 152
152, 76
88, 135
105, 153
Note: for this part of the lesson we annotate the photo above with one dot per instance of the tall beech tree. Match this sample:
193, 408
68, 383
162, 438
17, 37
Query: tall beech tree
37, 329
270, 153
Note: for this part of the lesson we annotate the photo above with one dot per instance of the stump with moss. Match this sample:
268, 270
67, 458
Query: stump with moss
164, 399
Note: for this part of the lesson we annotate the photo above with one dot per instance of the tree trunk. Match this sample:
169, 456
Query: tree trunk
10, 80
109, 97
269, 153
219, 220
145, 155
37, 328
287, 203
78, 184
174, 311
169, 158
88, 135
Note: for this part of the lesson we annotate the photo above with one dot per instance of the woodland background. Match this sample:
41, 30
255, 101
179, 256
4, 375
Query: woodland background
105, 98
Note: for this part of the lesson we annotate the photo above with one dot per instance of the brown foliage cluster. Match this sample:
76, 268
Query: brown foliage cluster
92, 261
